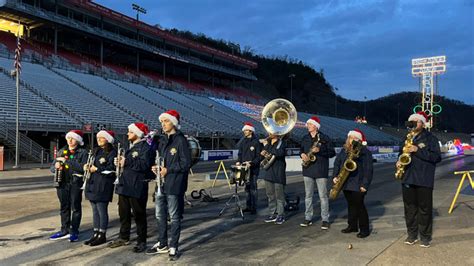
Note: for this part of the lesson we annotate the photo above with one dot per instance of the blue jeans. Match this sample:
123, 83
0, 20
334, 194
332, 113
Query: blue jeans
172, 205
323, 197
100, 215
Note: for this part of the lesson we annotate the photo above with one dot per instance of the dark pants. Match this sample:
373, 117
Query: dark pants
172, 206
418, 203
251, 189
70, 198
100, 215
358, 218
126, 205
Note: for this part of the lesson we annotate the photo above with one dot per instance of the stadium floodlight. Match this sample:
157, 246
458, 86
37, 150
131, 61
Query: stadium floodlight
427, 68
139, 10
291, 76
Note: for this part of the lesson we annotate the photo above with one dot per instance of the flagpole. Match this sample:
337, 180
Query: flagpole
17, 141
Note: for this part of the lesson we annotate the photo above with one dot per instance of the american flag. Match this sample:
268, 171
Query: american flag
17, 63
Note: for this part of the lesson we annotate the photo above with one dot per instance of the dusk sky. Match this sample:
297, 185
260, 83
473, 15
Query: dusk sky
364, 47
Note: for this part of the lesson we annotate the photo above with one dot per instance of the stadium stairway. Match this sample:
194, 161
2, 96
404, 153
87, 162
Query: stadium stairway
29, 149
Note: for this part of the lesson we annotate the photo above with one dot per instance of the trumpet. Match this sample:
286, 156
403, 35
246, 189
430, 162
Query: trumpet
159, 162
87, 172
405, 158
118, 167
349, 166
279, 116
311, 154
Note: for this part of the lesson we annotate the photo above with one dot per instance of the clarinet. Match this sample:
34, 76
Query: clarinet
160, 162
58, 172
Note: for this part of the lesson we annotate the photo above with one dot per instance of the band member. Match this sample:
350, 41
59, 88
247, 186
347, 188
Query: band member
417, 185
275, 179
174, 149
100, 186
249, 153
132, 187
71, 160
320, 146
357, 183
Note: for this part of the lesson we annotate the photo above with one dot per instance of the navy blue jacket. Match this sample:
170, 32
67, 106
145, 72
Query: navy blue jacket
277, 171
100, 187
362, 176
320, 168
177, 159
249, 150
136, 171
421, 170
73, 166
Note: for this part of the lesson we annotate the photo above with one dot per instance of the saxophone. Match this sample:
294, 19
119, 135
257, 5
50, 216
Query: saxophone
311, 154
405, 158
349, 166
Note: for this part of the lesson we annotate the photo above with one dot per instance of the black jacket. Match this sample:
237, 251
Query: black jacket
320, 168
136, 171
362, 176
277, 171
74, 165
421, 170
177, 159
100, 187
249, 150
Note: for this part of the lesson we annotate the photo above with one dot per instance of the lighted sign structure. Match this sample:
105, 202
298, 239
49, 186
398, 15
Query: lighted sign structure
12, 27
427, 68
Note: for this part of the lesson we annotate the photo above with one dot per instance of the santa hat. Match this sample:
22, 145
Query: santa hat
139, 129
248, 126
356, 133
315, 121
421, 116
108, 135
171, 115
77, 135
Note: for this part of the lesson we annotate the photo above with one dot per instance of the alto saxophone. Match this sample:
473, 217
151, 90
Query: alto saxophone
312, 155
405, 158
349, 166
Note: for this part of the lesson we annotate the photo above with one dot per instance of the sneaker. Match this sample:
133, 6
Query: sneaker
73, 238
410, 241
156, 249
271, 219
58, 236
139, 248
280, 219
425, 244
325, 225
173, 254
118, 243
306, 223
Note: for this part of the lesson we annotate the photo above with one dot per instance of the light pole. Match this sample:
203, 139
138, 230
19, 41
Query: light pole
335, 102
139, 10
291, 76
365, 107
398, 116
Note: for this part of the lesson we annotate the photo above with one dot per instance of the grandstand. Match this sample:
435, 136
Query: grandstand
77, 69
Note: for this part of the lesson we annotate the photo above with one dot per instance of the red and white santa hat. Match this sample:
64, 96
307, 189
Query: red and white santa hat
315, 121
356, 133
248, 126
107, 134
421, 116
139, 129
171, 115
77, 135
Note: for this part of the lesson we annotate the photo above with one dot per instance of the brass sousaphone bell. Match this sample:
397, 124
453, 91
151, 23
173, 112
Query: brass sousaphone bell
279, 116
